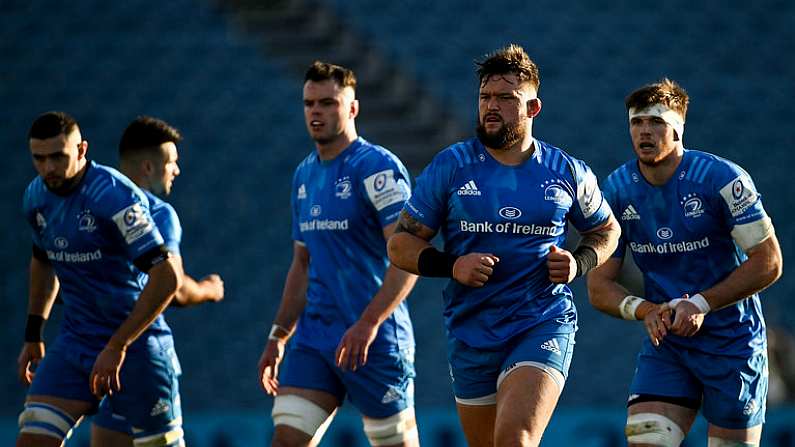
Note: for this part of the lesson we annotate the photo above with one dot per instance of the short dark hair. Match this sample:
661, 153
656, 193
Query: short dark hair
51, 124
665, 92
511, 59
146, 133
323, 71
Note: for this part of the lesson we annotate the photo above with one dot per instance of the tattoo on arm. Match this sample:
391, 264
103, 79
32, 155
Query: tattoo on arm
408, 224
602, 241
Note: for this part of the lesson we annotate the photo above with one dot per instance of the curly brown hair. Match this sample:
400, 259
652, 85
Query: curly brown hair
511, 59
665, 92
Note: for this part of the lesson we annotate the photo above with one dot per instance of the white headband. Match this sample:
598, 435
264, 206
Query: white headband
674, 119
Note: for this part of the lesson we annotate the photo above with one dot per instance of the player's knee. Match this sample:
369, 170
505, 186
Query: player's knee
396, 429
720, 442
170, 436
300, 413
46, 420
653, 429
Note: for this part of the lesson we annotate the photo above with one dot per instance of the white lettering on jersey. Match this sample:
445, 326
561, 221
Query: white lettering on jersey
383, 190
510, 228
74, 257
739, 195
669, 247
588, 195
133, 223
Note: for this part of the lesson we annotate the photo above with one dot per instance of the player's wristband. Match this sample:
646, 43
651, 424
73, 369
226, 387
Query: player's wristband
34, 329
435, 263
272, 334
586, 259
628, 307
698, 300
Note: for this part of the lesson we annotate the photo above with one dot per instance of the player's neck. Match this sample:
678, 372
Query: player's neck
329, 151
516, 154
660, 173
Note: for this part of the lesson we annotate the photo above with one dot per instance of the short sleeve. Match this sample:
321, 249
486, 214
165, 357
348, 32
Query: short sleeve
169, 226
297, 193
131, 217
590, 209
738, 198
387, 186
428, 203
610, 193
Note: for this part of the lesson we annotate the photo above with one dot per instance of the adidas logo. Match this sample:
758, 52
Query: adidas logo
469, 189
392, 394
160, 407
630, 214
301, 192
750, 408
551, 345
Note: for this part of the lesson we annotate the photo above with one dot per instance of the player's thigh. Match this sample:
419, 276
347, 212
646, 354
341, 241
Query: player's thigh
525, 401
384, 386
477, 422
109, 428
48, 420
655, 423
149, 398
103, 437
735, 390
727, 437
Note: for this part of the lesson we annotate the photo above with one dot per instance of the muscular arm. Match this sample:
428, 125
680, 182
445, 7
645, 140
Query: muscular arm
603, 239
294, 293
595, 247
605, 293
762, 268
43, 288
353, 348
164, 280
191, 292
409, 239
290, 308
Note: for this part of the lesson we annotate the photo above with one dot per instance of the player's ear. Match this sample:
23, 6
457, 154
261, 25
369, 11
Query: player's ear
533, 107
147, 166
354, 112
82, 149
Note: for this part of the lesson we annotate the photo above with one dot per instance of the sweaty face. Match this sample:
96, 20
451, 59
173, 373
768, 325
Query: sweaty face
502, 111
59, 159
166, 169
652, 139
327, 110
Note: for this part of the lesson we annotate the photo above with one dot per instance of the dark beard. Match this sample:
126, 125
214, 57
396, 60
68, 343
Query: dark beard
507, 136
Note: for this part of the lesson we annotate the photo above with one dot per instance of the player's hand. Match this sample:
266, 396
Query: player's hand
269, 366
352, 350
104, 378
214, 285
658, 322
688, 318
474, 269
561, 264
31, 355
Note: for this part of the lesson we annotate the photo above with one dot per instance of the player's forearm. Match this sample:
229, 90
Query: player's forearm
603, 240
605, 294
192, 292
396, 287
762, 268
43, 288
164, 280
293, 296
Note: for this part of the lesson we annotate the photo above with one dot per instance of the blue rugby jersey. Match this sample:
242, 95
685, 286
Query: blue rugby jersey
679, 235
516, 213
91, 236
167, 222
340, 207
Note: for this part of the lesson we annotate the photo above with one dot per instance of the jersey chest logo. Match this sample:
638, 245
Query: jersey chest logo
86, 221
343, 187
692, 205
554, 191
